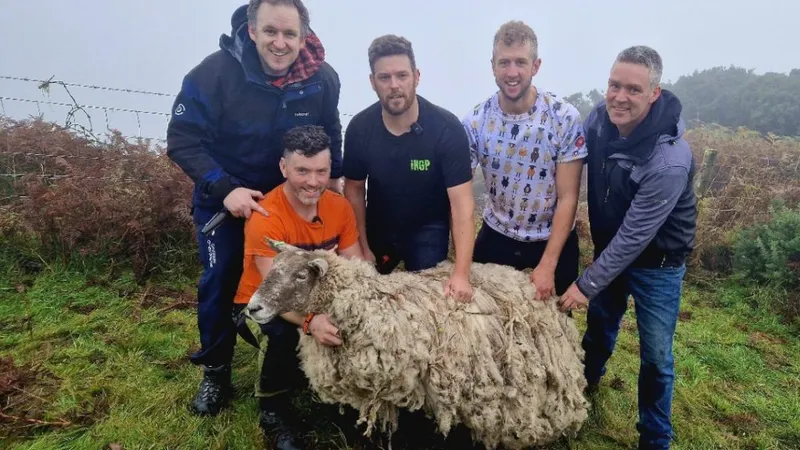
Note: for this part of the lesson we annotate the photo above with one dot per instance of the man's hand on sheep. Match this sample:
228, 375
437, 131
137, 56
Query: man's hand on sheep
459, 287
368, 255
544, 280
240, 202
323, 331
573, 299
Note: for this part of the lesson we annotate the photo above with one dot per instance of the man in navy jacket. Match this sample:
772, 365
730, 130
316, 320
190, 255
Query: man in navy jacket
228, 120
643, 215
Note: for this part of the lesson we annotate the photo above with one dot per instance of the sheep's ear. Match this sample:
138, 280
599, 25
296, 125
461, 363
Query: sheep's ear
319, 265
279, 246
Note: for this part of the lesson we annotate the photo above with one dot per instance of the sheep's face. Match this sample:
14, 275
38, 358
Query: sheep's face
293, 275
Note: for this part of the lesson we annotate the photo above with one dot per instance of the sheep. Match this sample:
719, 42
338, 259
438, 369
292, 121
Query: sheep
506, 366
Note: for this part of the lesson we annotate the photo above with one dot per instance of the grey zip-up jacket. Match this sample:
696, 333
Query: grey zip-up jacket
642, 206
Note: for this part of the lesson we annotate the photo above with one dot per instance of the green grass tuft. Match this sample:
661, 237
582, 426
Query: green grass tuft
108, 361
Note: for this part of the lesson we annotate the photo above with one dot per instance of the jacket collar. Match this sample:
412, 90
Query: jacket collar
663, 121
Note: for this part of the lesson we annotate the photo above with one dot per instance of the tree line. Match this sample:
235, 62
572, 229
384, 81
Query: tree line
729, 96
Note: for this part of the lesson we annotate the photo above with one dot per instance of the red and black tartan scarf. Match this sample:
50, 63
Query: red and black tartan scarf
307, 64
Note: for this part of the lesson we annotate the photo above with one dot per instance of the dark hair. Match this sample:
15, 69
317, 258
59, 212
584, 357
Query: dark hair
305, 20
390, 45
307, 140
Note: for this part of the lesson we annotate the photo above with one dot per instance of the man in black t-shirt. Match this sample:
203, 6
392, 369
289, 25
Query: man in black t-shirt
415, 158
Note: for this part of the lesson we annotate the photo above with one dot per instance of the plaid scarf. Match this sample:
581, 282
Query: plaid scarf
307, 64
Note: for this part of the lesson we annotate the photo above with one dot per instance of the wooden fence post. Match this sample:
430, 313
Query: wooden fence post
706, 172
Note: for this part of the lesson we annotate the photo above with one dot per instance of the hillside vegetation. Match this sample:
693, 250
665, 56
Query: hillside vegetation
98, 267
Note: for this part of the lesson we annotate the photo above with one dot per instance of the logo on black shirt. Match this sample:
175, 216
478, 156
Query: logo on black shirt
420, 165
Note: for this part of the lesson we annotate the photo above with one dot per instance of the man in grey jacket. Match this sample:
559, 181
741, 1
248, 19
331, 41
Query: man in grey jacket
642, 213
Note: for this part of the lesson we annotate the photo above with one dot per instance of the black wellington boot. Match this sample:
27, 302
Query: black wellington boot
214, 392
277, 421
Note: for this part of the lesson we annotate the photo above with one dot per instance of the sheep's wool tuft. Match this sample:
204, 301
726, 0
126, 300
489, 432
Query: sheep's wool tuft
508, 367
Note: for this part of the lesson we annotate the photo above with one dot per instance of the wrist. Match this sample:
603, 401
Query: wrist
462, 271
223, 187
548, 263
579, 284
307, 323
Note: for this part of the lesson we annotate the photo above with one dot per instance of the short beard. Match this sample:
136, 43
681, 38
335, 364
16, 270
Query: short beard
409, 100
305, 201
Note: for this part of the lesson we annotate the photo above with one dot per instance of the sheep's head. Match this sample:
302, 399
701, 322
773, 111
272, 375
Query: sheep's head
287, 287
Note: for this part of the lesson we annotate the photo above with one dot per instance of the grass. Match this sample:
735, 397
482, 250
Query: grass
94, 362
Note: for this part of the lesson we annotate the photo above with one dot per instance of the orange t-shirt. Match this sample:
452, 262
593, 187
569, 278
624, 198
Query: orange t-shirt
337, 226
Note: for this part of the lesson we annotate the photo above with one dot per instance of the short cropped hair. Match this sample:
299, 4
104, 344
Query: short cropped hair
644, 56
390, 45
515, 32
305, 19
307, 140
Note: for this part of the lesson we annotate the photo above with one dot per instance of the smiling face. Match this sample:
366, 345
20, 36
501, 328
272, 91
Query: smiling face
278, 37
306, 177
629, 95
514, 68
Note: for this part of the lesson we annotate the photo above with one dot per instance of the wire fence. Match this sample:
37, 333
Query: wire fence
48, 156
79, 111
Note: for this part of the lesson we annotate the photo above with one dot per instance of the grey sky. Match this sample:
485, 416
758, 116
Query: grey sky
151, 44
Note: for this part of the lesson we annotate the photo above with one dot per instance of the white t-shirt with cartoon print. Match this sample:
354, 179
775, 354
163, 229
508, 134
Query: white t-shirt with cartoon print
519, 155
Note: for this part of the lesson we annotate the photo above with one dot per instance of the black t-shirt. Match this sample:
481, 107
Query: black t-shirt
408, 175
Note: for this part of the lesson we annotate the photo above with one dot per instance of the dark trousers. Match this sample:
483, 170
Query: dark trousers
280, 366
421, 248
494, 247
221, 254
656, 295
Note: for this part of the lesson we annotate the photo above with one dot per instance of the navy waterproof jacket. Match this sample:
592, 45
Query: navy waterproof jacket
228, 119
642, 206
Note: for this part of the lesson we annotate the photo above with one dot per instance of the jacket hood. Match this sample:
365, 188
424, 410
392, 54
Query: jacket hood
662, 124
241, 47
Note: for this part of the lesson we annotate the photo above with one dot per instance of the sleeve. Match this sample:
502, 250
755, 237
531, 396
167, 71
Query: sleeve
454, 151
332, 123
586, 129
190, 133
257, 228
348, 235
354, 167
572, 137
472, 139
657, 196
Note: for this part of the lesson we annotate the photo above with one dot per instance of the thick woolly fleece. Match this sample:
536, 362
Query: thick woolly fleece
506, 366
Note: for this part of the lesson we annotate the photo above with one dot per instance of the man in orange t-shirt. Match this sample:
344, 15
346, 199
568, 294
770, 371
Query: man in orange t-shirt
301, 212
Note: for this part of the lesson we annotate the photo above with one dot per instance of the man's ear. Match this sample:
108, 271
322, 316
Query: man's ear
656, 94
319, 265
537, 64
372, 82
283, 168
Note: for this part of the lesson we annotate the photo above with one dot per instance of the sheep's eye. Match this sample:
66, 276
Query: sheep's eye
302, 275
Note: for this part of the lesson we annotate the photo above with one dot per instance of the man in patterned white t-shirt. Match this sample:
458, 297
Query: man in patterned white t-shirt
530, 146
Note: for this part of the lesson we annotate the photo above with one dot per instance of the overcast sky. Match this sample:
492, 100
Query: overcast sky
150, 45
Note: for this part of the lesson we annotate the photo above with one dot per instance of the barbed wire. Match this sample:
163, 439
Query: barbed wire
53, 155
106, 108
87, 86
43, 84
76, 177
